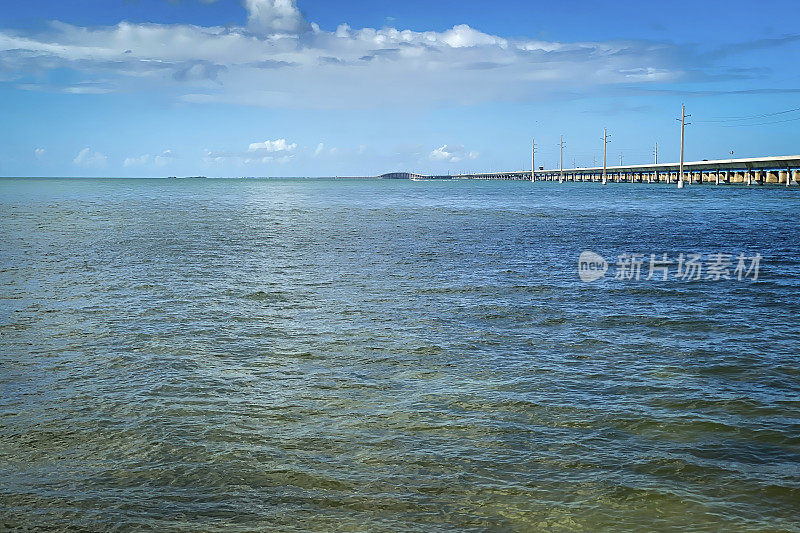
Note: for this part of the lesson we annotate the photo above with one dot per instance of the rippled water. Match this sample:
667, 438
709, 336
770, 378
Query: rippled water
242, 355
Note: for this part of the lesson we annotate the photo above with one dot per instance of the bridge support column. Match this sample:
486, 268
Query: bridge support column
748, 177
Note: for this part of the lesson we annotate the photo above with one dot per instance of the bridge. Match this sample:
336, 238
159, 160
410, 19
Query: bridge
780, 170
402, 176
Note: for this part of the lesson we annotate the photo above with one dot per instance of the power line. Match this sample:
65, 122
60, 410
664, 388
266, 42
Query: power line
752, 117
761, 123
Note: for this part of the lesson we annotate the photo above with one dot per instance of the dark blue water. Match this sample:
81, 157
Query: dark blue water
242, 355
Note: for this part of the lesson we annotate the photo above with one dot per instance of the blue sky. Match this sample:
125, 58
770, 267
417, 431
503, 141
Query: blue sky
284, 88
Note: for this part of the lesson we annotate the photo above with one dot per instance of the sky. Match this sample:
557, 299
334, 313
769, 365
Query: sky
318, 88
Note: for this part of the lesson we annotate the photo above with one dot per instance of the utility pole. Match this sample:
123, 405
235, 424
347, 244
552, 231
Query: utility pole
620, 159
605, 152
561, 175
683, 127
656, 152
533, 159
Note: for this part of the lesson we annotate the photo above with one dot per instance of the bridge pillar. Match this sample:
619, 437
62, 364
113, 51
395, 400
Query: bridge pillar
783, 177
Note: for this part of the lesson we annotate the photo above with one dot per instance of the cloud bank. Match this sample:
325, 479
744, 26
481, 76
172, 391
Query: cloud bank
279, 59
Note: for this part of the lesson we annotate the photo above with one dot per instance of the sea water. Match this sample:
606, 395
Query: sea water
380, 355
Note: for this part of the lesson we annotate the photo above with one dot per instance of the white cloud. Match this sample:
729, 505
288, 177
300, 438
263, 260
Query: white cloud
39, 153
137, 161
278, 145
87, 158
146, 159
163, 158
452, 154
322, 151
274, 16
277, 151
280, 60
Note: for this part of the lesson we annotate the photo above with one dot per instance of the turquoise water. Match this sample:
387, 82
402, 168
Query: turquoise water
248, 355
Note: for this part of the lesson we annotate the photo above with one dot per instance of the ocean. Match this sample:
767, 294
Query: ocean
390, 355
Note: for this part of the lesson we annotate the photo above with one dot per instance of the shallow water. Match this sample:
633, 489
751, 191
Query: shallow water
242, 355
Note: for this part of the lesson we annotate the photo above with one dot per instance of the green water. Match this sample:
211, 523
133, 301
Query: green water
320, 355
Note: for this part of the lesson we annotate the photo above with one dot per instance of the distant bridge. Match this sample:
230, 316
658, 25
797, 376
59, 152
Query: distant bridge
781, 170
404, 176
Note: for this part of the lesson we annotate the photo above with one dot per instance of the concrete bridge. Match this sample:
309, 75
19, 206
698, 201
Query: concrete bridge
781, 170
402, 176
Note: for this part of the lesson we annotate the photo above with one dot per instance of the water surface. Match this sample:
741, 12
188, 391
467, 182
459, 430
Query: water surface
247, 355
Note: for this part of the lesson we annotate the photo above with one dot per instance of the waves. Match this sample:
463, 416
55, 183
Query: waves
284, 356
